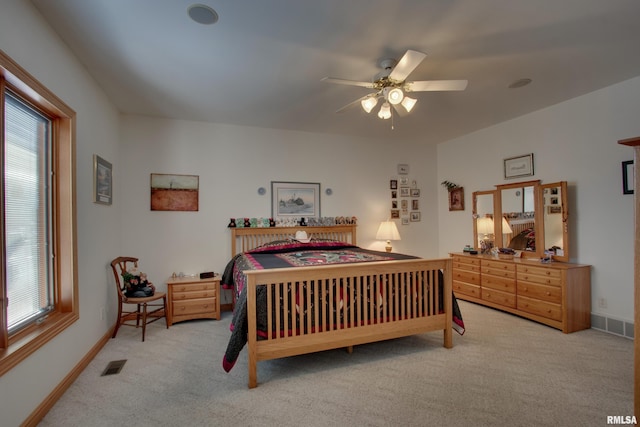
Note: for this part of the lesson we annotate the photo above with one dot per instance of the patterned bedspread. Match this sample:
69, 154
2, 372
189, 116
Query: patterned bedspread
290, 253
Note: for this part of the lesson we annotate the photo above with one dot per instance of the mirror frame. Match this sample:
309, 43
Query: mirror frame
565, 216
536, 209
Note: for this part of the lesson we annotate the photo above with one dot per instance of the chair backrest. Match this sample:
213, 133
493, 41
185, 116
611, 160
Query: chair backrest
119, 265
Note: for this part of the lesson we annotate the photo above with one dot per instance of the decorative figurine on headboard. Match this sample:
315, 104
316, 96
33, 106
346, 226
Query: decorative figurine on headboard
247, 222
303, 222
272, 222
232, 223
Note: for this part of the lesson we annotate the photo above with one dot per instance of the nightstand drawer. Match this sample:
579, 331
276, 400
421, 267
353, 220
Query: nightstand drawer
187, 287
204, 305
207, 293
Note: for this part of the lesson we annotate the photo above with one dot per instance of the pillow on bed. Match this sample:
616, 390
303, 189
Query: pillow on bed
292, 244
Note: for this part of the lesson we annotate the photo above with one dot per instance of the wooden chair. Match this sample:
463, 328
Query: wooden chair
141, 315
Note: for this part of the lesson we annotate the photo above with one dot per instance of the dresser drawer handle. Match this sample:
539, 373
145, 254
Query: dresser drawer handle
548, 293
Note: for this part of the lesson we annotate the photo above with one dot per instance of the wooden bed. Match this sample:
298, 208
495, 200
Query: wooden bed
412, 305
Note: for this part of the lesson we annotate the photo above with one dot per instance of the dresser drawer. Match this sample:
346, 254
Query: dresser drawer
187, 287
540, 308
466, 276
499, 269
466, 289
542, 292
467, 261
467, 267
540, 271
194, 306
206, 293
543, 280
503, 298
504, 284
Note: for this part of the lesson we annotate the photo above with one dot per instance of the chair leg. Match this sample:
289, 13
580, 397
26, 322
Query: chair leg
144, 320
119, 319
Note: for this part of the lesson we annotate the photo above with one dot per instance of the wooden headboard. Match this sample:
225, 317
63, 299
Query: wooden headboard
244, 239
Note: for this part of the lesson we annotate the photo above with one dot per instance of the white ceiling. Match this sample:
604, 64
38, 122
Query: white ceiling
261, 63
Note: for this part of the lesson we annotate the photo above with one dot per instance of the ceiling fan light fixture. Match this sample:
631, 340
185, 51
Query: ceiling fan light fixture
369, 103
385, 111
394, 96
408, 103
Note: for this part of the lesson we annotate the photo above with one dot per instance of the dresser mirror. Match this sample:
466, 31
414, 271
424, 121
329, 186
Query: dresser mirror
517, 207
555, 214
483, 228
533, 219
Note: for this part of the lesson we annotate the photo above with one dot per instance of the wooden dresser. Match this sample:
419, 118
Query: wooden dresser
193, 298
557, 294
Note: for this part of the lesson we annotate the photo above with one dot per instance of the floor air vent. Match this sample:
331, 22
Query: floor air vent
114, 367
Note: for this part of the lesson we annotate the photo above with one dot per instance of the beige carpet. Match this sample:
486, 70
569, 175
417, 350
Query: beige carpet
505, 371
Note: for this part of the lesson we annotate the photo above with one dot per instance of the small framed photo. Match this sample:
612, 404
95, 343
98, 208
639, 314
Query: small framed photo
415, 204
516, 167
102, 181
456, 199
404, 191
405, 221
394, 194
404, 204
404, 182
628, 177
393, 184
415, 216
395, 213
554, 209
415, 192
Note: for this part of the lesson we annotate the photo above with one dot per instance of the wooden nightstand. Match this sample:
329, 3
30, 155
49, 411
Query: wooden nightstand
193, 298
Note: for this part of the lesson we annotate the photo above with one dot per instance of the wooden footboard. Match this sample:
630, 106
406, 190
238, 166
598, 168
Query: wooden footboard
320, 308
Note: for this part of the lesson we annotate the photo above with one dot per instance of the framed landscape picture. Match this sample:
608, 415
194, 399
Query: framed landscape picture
174, 192
295, 199
102, 181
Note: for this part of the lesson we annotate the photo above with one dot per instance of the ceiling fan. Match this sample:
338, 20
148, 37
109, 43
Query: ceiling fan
391, 86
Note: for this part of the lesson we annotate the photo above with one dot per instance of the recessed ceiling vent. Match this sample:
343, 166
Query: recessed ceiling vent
202, 14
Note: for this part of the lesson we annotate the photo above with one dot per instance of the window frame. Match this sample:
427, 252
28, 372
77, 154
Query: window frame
17, 347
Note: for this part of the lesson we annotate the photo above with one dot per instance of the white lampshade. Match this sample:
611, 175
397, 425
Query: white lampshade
485, 225
506, 228
388, 231
385, 111
394, 96
408, 103
368, 103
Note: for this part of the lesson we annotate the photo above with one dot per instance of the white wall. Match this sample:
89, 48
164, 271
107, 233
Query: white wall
29, 41
575, 141
233, 162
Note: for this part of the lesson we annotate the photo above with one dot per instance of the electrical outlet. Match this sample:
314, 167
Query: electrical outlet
101, 313
602, 302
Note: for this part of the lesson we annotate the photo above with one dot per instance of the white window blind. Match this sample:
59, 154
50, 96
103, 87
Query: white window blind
27, 214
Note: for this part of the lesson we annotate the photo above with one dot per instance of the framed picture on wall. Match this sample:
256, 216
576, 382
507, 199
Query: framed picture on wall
456, 199
102, 181
516, 167
171, 192
295, 199
628, 177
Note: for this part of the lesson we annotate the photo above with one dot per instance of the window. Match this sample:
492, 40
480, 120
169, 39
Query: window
38, 287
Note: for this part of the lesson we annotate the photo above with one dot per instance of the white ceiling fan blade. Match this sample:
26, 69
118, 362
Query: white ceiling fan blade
347, 82
435, 85
406, 65
357, 101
